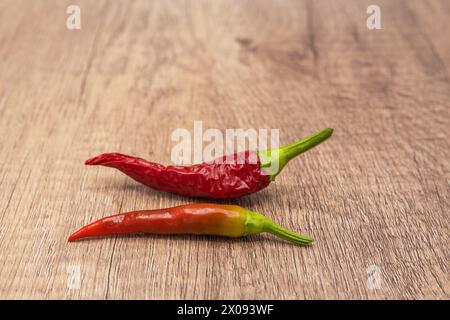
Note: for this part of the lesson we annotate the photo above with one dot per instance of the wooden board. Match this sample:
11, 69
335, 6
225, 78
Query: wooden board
375, 196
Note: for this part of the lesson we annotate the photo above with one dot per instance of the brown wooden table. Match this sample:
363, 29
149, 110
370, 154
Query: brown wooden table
376, 196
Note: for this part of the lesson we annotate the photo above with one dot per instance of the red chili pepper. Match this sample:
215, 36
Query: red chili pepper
208, 219
217, 179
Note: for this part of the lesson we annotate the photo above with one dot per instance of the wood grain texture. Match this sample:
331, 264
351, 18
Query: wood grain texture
376, 194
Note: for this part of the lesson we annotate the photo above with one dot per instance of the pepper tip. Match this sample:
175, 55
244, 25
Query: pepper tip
73, 237
103, 159
95, 160
78, 235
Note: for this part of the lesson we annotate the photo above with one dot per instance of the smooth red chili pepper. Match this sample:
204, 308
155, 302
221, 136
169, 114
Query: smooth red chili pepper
207, 219
220, 178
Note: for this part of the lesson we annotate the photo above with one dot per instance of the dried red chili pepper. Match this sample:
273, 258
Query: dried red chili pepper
207, 219
220, 178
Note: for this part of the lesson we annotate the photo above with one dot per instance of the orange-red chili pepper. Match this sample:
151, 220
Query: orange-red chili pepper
227, 177
206, 219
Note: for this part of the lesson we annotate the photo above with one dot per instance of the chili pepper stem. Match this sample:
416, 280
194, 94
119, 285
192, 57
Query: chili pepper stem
257, 223
276, 159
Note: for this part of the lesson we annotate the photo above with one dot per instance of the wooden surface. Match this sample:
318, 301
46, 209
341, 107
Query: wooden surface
376, 194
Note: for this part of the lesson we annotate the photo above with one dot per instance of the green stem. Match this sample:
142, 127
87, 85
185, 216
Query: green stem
290, 236
274, 160
257, 223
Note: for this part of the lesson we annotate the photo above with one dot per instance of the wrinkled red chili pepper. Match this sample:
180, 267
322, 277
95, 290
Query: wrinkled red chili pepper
220, 178
207, 219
